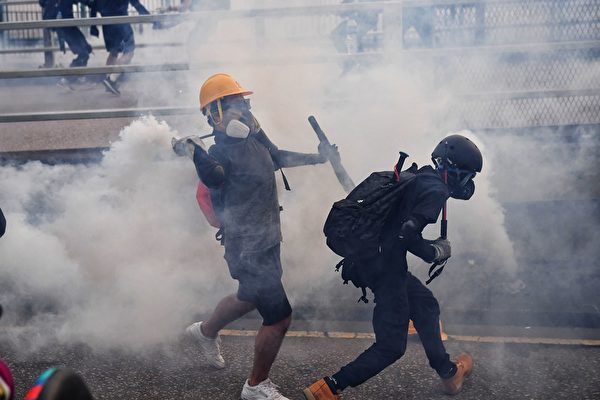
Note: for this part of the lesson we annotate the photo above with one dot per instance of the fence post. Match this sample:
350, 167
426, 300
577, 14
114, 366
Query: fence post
48, 55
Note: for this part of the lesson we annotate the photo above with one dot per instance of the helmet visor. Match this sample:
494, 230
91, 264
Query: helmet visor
460, 177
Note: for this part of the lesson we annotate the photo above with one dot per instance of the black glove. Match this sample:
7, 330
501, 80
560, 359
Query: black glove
328, 151
442, 248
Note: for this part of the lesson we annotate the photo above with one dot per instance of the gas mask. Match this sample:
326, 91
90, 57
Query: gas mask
460, 183
464, 192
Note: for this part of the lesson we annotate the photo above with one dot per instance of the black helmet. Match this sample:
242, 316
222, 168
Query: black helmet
456, 151
462, 160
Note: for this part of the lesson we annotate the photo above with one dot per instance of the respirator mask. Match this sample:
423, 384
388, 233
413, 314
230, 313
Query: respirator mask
237, 129
460, 183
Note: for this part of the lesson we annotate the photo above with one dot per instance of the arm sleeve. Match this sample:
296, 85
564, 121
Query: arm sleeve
426, 211
139, 7
210, 171
410, 235
429, 204
286, 159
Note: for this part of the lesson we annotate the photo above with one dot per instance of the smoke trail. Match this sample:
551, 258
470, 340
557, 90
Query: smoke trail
97, 252
106, 250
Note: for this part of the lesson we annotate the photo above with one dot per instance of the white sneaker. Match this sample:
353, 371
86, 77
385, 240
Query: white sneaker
65, 84
266, 390
211, 348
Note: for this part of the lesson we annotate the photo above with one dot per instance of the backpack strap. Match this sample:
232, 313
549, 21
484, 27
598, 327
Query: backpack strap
219, 236
437, 273
363, 298
285, 181
344, 262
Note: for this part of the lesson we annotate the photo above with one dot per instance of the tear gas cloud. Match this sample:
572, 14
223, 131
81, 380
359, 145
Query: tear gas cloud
100, 251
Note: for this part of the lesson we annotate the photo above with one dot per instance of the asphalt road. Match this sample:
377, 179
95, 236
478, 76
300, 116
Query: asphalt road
176, 370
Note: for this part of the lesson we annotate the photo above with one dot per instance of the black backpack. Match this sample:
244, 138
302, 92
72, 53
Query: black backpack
354, 225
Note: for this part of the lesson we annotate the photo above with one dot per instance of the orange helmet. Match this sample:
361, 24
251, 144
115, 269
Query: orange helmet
219, 86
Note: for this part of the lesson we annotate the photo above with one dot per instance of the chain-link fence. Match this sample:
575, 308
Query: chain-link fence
500, 22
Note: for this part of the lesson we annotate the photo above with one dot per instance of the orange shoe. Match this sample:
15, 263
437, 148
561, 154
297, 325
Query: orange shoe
464, 366
411, 328
320, 390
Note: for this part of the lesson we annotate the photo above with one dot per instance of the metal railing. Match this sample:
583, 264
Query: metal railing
30, 10
95, 114
472, 44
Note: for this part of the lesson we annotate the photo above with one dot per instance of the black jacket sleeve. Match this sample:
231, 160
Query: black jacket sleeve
210, 171
139, 7
412, 240
426, 211
286, 159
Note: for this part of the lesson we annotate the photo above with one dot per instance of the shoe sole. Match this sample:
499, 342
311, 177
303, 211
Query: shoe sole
308, 394
66, 86
111, 89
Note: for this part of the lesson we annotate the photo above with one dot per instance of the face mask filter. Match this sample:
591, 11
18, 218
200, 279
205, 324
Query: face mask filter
237, 129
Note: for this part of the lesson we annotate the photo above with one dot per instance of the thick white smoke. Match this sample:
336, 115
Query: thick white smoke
110, 249
119, 254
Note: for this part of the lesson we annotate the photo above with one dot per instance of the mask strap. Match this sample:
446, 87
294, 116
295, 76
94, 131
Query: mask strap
219, 109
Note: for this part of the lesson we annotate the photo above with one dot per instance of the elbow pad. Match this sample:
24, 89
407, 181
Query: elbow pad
410, 231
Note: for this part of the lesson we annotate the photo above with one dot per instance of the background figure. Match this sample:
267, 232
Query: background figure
59, 384
63, 9
118, 38
2, 226
7, 386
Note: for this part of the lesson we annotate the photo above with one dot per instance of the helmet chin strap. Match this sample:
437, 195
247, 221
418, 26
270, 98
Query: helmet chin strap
210, 115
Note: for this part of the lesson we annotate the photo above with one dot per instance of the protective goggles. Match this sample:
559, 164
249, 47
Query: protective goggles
457, 176
219, 107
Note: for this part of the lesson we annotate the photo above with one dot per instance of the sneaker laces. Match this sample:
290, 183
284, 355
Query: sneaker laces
216, 349
271, 389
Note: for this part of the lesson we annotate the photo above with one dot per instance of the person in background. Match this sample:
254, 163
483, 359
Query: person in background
2, 223
63, 9
118, 38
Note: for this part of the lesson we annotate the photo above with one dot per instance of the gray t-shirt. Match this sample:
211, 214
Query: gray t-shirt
247, 203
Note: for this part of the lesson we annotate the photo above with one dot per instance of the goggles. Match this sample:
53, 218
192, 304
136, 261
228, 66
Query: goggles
221, 106
457, 176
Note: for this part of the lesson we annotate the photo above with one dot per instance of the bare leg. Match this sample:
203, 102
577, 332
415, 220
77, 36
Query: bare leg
125, 59
267, 344
228, 310
112, 58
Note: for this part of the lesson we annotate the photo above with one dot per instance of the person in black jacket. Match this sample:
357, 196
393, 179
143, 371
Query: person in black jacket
239, 170
400, 296
118, 38
63, 9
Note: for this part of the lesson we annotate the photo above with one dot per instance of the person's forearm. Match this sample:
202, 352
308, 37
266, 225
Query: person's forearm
422, 249
210, 172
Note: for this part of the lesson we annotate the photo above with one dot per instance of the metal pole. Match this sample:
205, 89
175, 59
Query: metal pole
48, 54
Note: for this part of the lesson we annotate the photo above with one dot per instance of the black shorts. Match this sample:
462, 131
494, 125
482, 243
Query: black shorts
118, 38
259, 275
